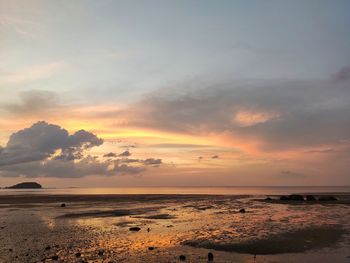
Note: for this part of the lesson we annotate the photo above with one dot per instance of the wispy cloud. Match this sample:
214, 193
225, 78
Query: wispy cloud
22, 27
31, 73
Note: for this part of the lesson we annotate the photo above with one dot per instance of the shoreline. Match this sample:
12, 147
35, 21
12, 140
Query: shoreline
122, 228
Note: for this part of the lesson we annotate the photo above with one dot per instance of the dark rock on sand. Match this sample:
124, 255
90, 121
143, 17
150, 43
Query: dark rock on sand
268, 198
78, 254
63, 205
135, 228
182, 257
150, 248
25, 185
100, 252
310, 198
10, 249
296, 198
242, 210
327, 198
48, 248
292, 198
55, 257
210, 256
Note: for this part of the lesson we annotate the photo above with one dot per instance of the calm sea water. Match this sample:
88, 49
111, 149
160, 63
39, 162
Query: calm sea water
239, 190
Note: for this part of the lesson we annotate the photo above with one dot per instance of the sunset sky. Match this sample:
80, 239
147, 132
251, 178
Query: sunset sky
175, 93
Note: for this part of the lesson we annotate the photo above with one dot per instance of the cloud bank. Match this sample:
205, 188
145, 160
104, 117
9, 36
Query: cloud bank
278, 114
31, 102
47, 150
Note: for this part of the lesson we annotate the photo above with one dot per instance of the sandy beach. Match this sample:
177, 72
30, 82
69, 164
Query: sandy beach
96, 228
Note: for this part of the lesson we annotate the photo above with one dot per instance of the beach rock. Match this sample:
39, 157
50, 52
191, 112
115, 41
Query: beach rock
310, 198
182, 257
284, 198
296, 198
100, 252
63, 205
210, 256
327, 198
135, 228
242, 210
150, 248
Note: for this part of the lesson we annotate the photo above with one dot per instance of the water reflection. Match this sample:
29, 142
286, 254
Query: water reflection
239, 190
172, 222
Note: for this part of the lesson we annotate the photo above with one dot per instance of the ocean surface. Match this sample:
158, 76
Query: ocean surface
232, 190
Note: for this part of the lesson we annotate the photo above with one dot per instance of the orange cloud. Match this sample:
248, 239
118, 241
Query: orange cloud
251, 118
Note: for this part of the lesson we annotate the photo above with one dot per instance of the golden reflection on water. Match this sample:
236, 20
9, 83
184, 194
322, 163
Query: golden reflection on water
203, 220
48, 221
209, 218
231, 190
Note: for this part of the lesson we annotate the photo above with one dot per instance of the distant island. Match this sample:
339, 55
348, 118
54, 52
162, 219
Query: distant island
25, 185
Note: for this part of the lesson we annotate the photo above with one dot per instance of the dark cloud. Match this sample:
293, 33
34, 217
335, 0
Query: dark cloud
32, 101
47, 150
149, 161
128, 160
57, 168
110, 154
281, 114
152, 161
68, 169
342, 76
43, 140
125, 154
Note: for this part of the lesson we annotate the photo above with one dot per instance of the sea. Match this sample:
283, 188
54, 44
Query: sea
224, 190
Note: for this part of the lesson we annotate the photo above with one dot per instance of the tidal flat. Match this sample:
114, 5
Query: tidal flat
171, 228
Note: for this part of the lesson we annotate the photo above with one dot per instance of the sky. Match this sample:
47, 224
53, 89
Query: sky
175, 93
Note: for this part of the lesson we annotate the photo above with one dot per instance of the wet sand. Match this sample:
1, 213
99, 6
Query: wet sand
96, 228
